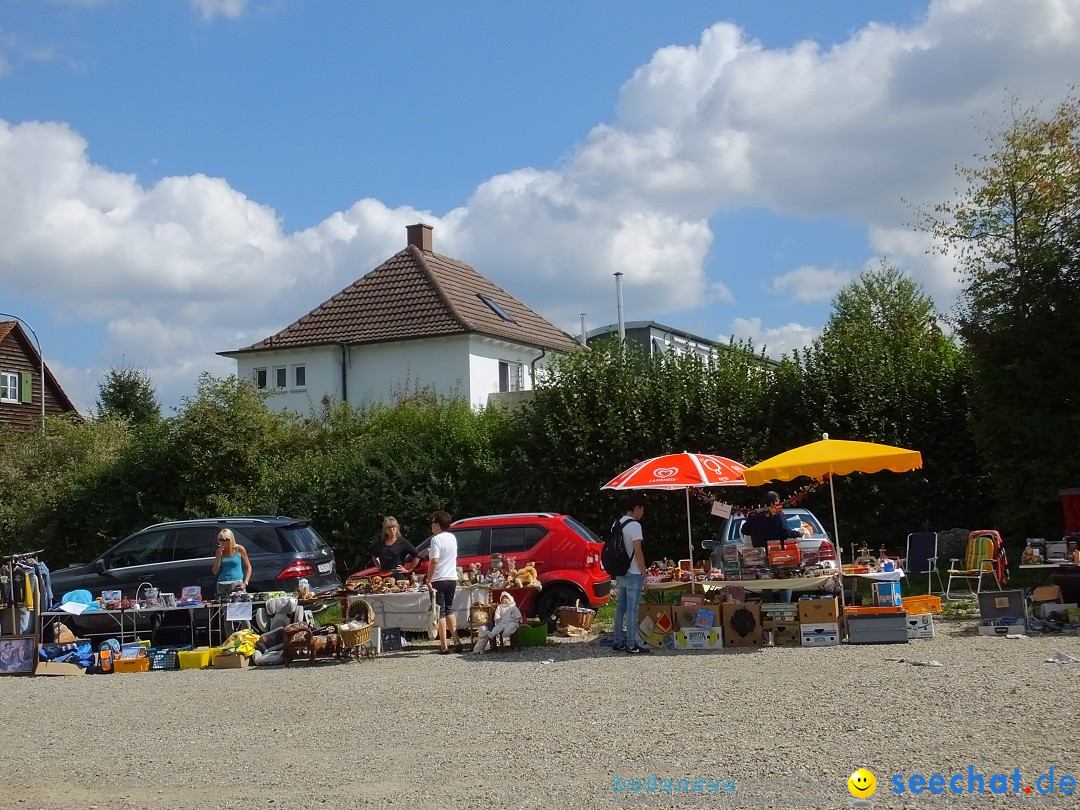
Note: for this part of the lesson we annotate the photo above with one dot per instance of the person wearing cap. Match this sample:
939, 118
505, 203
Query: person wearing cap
765, 526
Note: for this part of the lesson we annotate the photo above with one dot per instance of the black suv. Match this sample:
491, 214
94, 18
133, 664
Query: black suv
169, 556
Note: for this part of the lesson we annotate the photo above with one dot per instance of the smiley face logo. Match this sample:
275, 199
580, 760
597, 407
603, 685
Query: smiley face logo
862, 784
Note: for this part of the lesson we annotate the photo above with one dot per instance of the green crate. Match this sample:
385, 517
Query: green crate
533, 635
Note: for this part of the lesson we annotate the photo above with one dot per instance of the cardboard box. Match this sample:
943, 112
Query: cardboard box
655, 625
231, 661
742, 624
826, 634
819, 610
698, 638
695, 615
1046, 593
58, 668
785, 633
920, 625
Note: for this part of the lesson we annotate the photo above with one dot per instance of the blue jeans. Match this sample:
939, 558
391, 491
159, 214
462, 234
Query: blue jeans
628, 590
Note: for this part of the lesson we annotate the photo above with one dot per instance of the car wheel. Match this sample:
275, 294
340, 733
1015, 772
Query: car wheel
547, 606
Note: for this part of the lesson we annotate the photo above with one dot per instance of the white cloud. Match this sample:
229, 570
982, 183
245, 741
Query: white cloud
776, 341
809, 283
190, 266
230, 9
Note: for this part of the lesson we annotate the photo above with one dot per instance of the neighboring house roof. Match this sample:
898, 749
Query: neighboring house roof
418, 293
30, 351
613, 328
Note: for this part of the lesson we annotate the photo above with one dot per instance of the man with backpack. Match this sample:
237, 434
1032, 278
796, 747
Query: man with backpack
631, 582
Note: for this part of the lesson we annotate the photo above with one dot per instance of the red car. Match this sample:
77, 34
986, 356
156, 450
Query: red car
566, 555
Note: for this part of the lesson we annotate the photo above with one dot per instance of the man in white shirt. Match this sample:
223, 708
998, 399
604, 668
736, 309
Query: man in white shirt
630, 586
442, 578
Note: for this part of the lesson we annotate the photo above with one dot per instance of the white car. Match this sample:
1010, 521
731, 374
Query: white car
816, 546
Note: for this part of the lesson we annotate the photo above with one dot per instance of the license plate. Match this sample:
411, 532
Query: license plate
324, 568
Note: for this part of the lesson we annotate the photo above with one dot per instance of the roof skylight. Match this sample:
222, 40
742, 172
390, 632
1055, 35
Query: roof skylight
495, 307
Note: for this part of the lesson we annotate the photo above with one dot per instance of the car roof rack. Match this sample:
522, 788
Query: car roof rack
225, 520
508, 515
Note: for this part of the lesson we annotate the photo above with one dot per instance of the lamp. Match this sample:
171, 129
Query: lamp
41, 357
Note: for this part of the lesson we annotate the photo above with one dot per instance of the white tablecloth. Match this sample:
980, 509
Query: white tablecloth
792, 583
882, 576
415, 611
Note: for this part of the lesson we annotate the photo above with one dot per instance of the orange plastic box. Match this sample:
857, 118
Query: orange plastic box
922, 604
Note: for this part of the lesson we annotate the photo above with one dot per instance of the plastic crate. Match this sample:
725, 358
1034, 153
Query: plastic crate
132, 665
532, 636
922, 604
167, 658
193, 659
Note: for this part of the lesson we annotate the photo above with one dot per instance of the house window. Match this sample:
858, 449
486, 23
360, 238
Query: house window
281, 377
260, 378
299, 376
511, 376
498, 310
9, 386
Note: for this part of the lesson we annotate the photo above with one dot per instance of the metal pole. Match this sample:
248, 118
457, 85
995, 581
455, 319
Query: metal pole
584, 339
41, 357
619, 305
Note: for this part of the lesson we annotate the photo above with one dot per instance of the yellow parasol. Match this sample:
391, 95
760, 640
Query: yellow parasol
832, 457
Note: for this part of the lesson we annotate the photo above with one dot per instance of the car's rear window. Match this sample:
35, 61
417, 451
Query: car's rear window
260, 538
304, 538
583, 531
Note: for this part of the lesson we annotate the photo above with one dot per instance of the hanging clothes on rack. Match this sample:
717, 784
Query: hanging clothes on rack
21, 590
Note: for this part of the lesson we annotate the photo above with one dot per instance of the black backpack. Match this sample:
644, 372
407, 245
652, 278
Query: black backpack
615, 557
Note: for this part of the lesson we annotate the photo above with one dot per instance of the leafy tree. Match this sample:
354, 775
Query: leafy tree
883, 371
1015, 233
127, 393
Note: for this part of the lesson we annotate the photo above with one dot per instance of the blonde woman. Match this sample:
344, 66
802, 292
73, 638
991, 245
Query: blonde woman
231, 564
395, 551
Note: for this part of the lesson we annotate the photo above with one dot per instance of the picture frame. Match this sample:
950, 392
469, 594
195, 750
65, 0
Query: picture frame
18, 655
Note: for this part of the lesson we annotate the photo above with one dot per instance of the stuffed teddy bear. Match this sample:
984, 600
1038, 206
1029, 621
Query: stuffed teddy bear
527, 577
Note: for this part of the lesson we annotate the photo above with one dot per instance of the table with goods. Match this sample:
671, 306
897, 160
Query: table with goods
241, 629
408, 606
735, 606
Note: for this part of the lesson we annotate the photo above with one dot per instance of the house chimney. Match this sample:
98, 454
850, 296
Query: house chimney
419, 236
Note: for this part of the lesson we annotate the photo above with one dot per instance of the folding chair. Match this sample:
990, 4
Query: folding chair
921, 558
984, 558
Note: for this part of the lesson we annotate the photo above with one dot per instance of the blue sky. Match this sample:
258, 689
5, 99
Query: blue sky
182, 177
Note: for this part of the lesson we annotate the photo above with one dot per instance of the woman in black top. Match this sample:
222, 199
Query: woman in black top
395, 551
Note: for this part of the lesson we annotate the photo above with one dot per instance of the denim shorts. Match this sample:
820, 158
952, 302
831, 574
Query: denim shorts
444, 596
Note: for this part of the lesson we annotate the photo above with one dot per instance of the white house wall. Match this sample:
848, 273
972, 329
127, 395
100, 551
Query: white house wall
485, 355
378, 370
322, 367
465, 365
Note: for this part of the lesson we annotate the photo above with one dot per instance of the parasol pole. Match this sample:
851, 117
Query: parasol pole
691, 539
839, 556
835, 522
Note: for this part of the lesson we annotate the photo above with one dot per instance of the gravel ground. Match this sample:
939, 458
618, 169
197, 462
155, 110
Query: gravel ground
549, 727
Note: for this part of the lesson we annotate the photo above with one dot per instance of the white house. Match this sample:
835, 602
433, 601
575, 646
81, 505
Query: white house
418, 320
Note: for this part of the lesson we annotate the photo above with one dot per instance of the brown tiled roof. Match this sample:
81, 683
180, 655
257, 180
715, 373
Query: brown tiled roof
417, 293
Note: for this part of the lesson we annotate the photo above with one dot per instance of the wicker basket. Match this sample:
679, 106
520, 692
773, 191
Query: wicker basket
360, 610
480, 614
576, 617
354, 638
